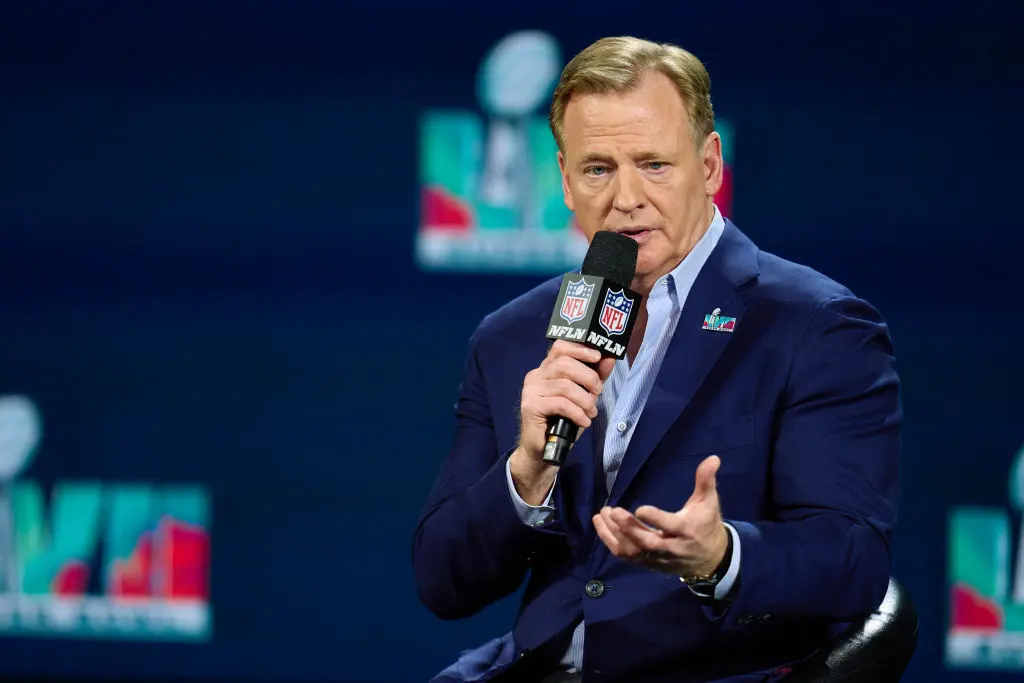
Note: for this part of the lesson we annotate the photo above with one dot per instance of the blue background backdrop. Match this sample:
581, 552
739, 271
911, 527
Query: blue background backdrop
206, 274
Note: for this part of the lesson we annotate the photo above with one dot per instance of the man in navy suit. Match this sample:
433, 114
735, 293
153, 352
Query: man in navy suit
730, 502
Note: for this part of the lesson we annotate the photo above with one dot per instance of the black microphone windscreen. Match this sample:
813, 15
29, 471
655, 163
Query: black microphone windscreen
611, 256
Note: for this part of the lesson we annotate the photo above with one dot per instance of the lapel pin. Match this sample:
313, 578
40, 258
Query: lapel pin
716, 322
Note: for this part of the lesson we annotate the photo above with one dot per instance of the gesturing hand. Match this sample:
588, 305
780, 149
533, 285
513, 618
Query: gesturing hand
689, 542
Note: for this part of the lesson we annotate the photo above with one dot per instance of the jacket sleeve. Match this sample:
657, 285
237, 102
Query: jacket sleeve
471, 547
835, 475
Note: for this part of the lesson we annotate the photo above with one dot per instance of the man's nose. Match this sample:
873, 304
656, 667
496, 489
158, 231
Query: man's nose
628, 191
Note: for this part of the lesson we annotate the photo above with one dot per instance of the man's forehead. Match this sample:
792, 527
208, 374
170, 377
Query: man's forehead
644, 133
640, 112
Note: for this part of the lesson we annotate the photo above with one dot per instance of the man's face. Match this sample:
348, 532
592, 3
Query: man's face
630, 165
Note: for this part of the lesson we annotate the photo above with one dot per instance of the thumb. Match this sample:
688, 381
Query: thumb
704, 484
604, 368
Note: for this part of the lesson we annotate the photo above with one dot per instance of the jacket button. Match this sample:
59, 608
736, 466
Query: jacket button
594, 588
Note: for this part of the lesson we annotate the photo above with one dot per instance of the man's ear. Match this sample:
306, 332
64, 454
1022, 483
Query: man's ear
714, 165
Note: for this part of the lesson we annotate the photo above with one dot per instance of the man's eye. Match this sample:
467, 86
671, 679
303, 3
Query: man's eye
594, 170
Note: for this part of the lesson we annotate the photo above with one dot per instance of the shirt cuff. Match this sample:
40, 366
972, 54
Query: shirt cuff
531, 515
724, 586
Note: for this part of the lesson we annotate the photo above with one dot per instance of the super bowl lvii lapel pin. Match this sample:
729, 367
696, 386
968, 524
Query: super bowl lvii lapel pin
716, 322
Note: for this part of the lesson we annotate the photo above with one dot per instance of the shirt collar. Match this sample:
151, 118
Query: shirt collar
681, 278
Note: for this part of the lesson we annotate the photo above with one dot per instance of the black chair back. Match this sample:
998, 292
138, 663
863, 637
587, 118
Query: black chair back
876, 650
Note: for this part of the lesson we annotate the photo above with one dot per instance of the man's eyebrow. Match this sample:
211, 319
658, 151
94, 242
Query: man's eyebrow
596, 157
592, 157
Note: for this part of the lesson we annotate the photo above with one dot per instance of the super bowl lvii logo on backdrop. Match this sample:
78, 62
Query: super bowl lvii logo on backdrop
986, 599
97, 558
490, 188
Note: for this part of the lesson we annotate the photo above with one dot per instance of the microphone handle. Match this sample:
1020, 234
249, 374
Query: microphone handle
562, 434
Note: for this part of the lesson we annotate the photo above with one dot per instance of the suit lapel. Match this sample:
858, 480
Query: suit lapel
693, 351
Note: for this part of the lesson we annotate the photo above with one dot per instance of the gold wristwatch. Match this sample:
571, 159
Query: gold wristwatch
704, 584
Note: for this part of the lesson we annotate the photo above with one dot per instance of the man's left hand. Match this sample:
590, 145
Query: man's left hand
689, 542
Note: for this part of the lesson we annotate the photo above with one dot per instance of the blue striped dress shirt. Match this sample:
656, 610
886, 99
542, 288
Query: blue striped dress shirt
625, 394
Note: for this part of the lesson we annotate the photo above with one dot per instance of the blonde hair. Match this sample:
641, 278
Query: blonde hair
618, 65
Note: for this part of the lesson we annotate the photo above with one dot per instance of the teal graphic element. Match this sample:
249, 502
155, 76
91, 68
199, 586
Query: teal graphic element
452, 145
491, 191
986, 588
43, 550
98, 559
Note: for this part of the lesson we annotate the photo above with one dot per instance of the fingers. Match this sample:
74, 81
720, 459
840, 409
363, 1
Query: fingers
610, 534
627, 537
569, 361
584, 354
565, 388
607, 535
560, 397
582, 364
669, 523
564, 367
604, 368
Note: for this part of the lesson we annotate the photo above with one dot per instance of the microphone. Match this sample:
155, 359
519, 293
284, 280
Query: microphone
594, 307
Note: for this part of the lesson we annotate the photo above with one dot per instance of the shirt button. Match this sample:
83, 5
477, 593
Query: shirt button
622, 426
594, 588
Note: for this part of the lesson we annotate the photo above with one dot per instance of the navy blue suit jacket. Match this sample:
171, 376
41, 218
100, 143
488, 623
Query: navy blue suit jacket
802, 404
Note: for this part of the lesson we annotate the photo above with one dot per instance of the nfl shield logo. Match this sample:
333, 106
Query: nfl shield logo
615, 312
577, 301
